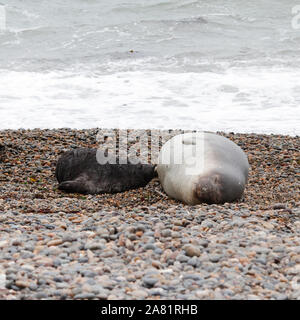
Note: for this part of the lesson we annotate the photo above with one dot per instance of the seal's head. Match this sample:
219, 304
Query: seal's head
208, 189
219, 187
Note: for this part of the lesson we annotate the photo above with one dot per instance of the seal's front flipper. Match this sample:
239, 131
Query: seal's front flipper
74, 186
71, 186
82, 184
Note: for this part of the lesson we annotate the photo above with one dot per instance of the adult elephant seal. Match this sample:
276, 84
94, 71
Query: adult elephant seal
79, 171
202, 167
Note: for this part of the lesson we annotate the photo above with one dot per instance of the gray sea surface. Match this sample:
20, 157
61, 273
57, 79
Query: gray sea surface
212, 65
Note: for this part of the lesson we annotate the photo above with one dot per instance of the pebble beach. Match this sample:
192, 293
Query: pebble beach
141, 244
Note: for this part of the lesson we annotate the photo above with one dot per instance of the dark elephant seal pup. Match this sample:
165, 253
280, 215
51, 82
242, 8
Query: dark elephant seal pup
79, 171
202, 167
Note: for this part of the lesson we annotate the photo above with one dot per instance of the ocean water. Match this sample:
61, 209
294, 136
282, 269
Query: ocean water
207, 65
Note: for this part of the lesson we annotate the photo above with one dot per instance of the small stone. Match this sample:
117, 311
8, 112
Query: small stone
253, 297
139, 294
278, 206
215, 257
176, 234
295, 270
22, 283
94, 246
267, 225
2, 280
203, 294
158, 251
108, 254
279, 249
166, 233
16, 242
139, 233
102, 295
55, 242
182, 258
69, 237
44, 261
149, 246
281, 296
156, 264
87, 295
129, 245
203, 243
178, 222
89, 274
3, 243
57, 262
191, 250
33, 287
27, 267
41, 295
149, 282
193, 262
262, 260
192, 276
207, 223
157, 292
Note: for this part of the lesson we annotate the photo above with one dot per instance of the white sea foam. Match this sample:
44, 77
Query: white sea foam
239, 100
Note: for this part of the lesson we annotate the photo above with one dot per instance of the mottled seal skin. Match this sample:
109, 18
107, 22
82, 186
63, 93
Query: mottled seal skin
219, 176
78, 171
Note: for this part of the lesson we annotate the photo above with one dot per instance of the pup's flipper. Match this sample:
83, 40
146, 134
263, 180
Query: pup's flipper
79, 185
70, 186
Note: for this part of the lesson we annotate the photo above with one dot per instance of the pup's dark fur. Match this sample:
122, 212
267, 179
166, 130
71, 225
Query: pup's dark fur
78, 171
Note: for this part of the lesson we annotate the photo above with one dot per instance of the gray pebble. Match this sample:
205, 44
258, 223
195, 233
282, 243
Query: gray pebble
41, 295
94, 246
87, 295
215, 257
158, 251
182, 258
166, 233
194, 262
149, 246
149, 282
